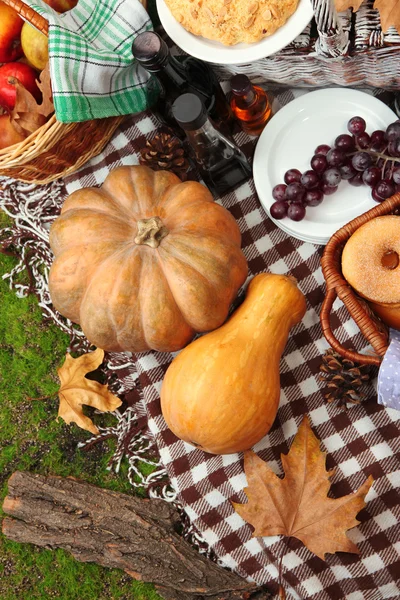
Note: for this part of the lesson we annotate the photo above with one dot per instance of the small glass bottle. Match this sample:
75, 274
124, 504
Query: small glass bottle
173, 76
221, 163
249, 104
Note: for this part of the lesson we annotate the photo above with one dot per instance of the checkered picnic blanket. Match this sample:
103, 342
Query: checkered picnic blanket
361, 441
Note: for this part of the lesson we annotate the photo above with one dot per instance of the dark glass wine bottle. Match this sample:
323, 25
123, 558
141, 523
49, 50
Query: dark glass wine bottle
173, 76
221, 163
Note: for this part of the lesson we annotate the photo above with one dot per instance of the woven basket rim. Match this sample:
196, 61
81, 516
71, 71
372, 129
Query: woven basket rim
337, 286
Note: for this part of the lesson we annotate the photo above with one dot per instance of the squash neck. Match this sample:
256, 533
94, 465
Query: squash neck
150, 232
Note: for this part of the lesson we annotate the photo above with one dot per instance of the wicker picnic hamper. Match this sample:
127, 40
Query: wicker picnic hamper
347, 49
55, 149
337, 287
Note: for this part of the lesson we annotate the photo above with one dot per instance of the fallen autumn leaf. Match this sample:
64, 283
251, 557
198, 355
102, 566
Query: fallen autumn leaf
298, 505
76, 390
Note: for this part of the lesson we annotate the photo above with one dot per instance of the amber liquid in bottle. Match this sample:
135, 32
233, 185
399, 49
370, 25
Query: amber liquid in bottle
250, 105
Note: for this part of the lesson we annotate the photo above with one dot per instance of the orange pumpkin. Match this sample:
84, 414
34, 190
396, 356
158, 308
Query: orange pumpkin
145, 261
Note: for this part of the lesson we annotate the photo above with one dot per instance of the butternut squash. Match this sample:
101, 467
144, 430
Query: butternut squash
221, 393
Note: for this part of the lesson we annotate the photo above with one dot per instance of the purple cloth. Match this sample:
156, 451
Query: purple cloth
389, 374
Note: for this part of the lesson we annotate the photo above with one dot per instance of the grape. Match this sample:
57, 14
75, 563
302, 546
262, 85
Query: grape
327, 189
322, 149
393, 131
396, 176
335, 158
361, 161
371, 176
375, 196
356, 180
319, 163
292, 176
394, 148
363, 141
294, 192
346, 170
279, 210
355, 157
344, 143
331, 177
296, 211
356, 125
378, 140
278, 192
384, 189
313, 197
309, 179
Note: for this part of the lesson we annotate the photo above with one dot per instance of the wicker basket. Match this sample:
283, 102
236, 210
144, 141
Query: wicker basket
55, 149
345, 49
336, 286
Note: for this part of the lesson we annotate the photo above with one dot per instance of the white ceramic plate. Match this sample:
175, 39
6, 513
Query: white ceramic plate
215, 52
289, 140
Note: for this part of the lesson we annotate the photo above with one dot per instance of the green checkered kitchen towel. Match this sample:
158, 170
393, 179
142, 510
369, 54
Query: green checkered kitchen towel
93, 73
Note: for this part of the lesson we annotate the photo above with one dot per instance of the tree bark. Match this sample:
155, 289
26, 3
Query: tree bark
116, 530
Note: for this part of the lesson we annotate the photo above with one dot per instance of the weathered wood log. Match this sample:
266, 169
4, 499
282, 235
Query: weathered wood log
116, 530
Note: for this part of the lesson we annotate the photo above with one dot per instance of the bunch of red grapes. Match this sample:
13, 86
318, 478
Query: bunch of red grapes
357, 158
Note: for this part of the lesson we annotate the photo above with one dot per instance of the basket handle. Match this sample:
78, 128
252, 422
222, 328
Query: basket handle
333, 41
29, 15
371, 335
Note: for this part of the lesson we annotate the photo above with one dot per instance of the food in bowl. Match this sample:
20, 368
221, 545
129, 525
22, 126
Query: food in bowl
232, 21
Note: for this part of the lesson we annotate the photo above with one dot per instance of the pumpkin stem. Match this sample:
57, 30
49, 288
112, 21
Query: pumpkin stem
150, 232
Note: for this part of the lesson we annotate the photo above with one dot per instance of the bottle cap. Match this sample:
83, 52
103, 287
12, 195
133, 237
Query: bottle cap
240, 84
189, 112
150, 50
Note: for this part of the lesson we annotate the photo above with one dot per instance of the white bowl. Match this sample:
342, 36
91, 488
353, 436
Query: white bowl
216, 52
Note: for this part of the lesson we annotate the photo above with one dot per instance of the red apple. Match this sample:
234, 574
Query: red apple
61, 6
9, 74
10, 34
8, 135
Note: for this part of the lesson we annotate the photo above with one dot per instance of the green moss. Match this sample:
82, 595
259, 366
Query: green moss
32, 439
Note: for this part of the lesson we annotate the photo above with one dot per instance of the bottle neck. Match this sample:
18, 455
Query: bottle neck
169, 73
246, 99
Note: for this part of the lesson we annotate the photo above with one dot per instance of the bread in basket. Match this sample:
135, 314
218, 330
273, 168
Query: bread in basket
369, 324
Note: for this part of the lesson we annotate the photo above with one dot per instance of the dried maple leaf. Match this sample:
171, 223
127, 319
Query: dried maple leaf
298, 505
44, 85
27, 115
389, 11
76, 390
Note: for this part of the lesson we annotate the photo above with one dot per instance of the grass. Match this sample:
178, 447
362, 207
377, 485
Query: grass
32, 439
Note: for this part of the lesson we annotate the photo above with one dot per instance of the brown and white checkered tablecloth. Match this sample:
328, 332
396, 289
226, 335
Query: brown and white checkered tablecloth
361, 441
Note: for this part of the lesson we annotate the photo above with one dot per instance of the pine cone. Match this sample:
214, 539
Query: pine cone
344, 379
165, 153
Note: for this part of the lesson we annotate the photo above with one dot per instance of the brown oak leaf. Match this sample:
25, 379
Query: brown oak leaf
76, 390
389, 11
298, 505
27, 115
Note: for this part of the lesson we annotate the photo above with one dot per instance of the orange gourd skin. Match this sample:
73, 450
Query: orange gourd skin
127, 294
221, 393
